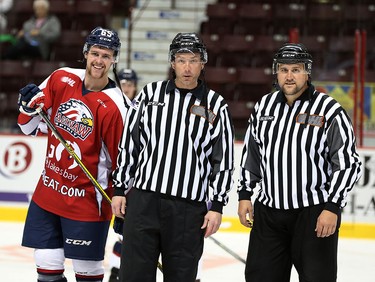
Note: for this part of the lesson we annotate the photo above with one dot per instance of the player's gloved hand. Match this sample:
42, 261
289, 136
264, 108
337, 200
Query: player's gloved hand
30, 99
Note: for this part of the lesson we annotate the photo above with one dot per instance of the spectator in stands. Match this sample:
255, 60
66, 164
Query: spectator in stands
5, 6
37, 34
5, 38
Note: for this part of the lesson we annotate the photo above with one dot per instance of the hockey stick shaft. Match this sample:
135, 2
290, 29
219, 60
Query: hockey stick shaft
225, 248
70, 150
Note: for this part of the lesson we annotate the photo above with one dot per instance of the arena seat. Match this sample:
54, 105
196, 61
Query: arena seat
253, 18
234, 43
288, 16
9, 111
255, 75
18, 14
335, 75
317, 46
265, 47
24, 6
370, 56
340, 50
214, 46
324, 18
14, 74
370, 76
91, 13
222, 80
358, 16
222, 10
236, 50
221, 18
65, 11
62, 6
69, 46
220, 74
42, 69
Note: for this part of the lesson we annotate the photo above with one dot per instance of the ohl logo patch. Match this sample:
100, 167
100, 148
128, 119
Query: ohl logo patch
15, 159
76, 118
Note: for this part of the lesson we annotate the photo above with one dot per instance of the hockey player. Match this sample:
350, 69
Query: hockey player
128, 80
67, 216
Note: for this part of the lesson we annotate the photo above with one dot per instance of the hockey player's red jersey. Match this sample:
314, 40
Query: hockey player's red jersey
92, 123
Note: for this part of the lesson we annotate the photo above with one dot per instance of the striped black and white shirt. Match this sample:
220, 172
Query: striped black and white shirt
301, 155
173, 145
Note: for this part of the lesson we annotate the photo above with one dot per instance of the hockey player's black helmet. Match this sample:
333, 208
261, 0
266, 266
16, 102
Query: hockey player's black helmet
292, 53
128, 75
187, 43
105, 38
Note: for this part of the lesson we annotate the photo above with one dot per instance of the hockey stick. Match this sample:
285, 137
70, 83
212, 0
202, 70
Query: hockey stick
225, 248
70, 150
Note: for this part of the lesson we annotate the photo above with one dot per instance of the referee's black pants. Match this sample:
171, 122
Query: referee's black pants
157, 224
282, 238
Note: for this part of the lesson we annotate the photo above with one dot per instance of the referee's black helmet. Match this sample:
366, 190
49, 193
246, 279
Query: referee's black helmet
292, 53
187, 43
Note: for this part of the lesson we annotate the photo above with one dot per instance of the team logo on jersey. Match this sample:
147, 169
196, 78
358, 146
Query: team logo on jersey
60, 150
76, 118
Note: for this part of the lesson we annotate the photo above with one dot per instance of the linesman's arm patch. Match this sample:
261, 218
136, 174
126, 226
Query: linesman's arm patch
201, 111
313, 120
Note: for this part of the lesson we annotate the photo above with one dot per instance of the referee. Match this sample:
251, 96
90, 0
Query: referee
177, 146
300, 149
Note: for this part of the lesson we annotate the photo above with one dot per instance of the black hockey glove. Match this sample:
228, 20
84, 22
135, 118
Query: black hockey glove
118, 225
30, 100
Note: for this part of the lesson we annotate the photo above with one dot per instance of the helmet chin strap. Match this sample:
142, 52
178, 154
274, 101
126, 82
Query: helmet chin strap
276, 85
